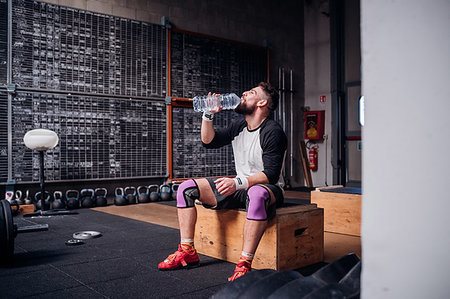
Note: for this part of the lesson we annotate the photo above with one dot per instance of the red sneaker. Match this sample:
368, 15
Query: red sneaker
180, 259
241, 269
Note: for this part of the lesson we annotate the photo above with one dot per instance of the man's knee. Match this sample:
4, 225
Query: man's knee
258, 201
187, 193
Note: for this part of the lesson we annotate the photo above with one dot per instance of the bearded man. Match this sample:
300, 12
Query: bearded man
259, 146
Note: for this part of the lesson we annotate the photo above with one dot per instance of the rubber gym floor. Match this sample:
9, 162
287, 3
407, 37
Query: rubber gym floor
122, 263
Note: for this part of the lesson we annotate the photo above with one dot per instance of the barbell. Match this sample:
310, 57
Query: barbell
9, 230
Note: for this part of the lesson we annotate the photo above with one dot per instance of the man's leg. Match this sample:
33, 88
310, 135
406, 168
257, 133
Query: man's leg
187, 214
259, 200
187, 193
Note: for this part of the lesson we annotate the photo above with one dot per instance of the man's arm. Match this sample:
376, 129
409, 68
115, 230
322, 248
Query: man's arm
227, 186
207, 129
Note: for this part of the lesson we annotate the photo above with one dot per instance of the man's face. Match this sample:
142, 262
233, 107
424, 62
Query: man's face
249, 100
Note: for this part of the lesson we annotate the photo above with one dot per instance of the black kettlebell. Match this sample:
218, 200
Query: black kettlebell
119, 199
154, 192
58, 201
130, 195
37, 201
72, 201
18, 197
87, 198
165, 191
174, 191
100, 197
143, 194
27, 199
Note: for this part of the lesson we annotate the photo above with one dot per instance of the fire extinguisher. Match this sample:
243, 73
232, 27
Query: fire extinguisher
313, 157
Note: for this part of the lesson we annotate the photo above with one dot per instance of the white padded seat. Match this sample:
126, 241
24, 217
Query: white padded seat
40, 139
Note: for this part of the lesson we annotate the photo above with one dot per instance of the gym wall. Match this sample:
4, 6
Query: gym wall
131, 114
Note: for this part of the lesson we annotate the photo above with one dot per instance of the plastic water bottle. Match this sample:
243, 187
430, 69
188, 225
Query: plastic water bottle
229, 101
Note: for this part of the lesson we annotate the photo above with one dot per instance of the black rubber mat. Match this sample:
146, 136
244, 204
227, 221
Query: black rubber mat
120, 264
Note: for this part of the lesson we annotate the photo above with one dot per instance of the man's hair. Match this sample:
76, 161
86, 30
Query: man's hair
272, 93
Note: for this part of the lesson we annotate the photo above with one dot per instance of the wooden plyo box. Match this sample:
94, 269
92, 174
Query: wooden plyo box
293, 238
342, 211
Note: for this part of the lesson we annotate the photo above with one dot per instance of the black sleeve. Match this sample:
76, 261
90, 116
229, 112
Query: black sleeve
224, 136
274, 145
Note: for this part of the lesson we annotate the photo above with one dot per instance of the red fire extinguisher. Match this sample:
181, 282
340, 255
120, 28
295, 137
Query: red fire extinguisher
313, 157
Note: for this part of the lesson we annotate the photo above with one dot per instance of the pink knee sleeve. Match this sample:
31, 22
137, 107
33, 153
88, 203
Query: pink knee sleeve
187, 193
257, 203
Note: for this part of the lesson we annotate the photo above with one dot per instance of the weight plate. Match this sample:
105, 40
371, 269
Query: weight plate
73, 242
3, 238
8, 233
86, 235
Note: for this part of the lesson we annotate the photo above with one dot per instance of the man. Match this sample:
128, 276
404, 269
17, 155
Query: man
259, 145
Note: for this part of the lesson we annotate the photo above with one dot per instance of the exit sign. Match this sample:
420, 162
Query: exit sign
323, 99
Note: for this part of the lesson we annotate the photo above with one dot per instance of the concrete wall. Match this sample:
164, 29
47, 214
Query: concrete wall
251, 21
405, 223
317, 79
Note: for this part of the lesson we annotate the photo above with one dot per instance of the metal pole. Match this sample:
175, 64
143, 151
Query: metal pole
283, 101
291, 123
41, 161
280, 94
326, 161
9, 81
284, 120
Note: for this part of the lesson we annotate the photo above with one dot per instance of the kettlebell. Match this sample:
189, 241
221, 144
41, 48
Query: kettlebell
143, 194
18, 198
72, 201
37, 201
27, 199
58, 202
165, 190
119, 199
154, 192
174, 191
130, 194
87, 198
12, 202
100, 197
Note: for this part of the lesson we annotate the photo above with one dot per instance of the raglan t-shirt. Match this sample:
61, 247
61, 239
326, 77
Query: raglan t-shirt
262, 149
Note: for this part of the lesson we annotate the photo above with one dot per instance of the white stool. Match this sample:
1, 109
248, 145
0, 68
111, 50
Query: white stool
41, 140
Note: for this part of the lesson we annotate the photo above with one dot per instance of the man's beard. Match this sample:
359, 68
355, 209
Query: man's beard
244, 109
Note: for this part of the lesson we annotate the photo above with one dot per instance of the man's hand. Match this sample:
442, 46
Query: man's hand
225, 186
220, 107
207, 129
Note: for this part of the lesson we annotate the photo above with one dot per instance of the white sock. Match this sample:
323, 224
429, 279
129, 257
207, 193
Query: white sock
187, 240
247, 255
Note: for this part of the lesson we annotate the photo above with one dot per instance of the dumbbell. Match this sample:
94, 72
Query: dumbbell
8, 231
143, 196
58, 201
100, 197
130, 194
87, 198
119, 199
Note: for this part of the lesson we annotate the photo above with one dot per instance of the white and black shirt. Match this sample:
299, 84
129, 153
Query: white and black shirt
261, 149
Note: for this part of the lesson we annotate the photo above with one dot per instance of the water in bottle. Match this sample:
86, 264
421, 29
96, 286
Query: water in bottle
229, 101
